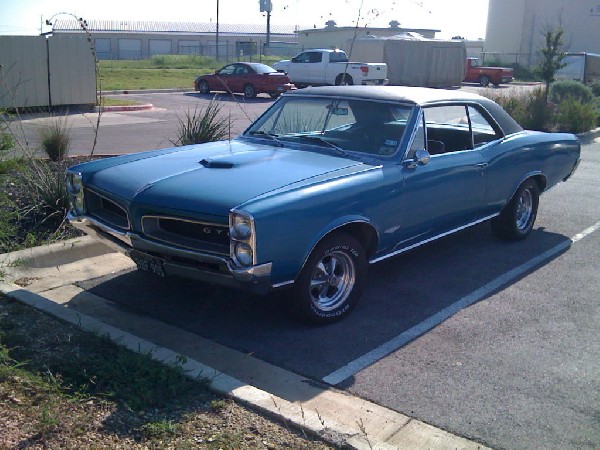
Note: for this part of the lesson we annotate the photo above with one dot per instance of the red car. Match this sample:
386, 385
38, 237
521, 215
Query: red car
247, 78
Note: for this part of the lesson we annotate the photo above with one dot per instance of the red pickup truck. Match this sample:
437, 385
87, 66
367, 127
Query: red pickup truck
486, 75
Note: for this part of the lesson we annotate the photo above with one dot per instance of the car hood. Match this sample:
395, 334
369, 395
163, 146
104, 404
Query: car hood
213, 178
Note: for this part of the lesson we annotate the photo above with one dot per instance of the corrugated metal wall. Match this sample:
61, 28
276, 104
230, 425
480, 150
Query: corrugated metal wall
46, 71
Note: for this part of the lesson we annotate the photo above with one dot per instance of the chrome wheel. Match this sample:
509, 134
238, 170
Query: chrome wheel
332, 280
524, 210
516, 220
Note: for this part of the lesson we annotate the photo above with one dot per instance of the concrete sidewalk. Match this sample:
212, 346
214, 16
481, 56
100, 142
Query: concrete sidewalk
45, 277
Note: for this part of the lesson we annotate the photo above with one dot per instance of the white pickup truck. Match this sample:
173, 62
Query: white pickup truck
317, 67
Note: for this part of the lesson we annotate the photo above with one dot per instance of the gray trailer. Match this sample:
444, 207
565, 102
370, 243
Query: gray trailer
415, 61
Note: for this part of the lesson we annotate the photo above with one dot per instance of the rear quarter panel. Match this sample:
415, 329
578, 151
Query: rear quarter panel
526, 154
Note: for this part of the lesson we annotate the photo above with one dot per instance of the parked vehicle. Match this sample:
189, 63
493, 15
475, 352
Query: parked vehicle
330, 67
413, 60
327, 181
245, 77
486, 75
584, 67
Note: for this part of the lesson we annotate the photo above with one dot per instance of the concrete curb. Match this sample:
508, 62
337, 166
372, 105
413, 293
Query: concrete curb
335, 416
589, 136
123, 108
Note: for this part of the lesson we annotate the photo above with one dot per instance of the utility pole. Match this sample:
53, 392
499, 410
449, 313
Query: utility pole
217, 50
267, 6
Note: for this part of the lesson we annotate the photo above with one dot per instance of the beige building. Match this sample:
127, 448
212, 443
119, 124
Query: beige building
333, 36
515, 28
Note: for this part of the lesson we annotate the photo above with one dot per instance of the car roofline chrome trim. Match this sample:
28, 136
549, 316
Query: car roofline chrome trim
418, 244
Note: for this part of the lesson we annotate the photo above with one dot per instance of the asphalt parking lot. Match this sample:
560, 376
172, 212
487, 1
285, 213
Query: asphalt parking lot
493, 341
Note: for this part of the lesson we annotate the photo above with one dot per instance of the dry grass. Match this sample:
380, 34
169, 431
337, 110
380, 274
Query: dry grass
63, 388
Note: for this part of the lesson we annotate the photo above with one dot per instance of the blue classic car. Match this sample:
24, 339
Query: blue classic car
327, 181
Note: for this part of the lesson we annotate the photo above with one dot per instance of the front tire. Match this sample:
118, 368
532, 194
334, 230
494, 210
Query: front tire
517, 218
203, 87
332, 280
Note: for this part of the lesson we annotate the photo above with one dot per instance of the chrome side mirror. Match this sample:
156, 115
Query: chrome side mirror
421, 158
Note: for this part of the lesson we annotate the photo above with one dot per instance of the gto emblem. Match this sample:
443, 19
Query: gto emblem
216, 231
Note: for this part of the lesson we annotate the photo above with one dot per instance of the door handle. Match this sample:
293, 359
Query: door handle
481, 165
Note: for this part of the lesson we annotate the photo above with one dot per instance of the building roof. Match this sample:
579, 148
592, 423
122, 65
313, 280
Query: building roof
370, 29
127, 26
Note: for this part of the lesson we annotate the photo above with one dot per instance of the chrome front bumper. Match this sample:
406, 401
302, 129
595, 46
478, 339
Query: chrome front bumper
179, 261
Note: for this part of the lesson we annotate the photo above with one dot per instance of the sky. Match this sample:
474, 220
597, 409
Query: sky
466, 18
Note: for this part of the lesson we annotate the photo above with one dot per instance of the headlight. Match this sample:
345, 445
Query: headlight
243, 254
241, 227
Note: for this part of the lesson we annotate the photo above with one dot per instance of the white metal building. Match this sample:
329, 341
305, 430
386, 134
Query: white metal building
116, 39
515, 28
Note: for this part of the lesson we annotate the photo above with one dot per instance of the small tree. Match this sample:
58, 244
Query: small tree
552, 57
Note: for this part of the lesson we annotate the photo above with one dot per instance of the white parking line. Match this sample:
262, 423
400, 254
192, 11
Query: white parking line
392, 345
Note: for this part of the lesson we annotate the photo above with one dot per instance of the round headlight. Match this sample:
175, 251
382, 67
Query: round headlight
241, 227
243, 254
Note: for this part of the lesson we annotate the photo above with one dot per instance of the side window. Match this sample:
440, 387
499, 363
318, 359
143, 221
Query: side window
448, 129
483, 131
302, 58
315, 57
227, 70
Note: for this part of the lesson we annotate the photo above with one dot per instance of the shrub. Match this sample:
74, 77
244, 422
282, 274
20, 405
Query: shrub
181, 61
570, 89
56, 137
529, 109
595, 87
202, 126
575, 117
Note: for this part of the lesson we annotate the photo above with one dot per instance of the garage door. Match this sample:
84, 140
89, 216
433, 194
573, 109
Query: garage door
159, 47
102, 48
130, 48
189, 48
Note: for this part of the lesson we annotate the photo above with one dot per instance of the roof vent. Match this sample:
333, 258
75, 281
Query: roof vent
394, 24
330, 24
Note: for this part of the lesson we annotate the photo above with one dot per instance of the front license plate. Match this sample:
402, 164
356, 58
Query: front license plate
148, 263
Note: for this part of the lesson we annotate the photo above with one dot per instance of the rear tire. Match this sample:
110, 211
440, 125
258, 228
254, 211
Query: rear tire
249, 91
344, 80
484, 80
517, 218
332, 280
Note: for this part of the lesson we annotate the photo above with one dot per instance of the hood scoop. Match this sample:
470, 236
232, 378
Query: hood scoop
216, 163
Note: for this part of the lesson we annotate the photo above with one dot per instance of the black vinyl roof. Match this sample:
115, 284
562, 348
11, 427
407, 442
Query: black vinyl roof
418, 96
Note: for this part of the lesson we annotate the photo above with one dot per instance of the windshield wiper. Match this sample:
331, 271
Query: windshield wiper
320, 140
270, 136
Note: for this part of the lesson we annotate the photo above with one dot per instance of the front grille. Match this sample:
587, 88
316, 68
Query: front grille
106, 210
186, 233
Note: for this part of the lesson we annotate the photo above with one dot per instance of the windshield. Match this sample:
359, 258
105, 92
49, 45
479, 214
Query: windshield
361, 126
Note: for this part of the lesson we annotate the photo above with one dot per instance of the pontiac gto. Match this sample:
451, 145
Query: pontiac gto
327, 181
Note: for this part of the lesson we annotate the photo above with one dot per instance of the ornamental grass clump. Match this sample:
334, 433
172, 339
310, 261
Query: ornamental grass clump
204, 125
56, 137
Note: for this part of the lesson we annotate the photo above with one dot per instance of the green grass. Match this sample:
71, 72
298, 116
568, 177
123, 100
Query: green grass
160, 72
